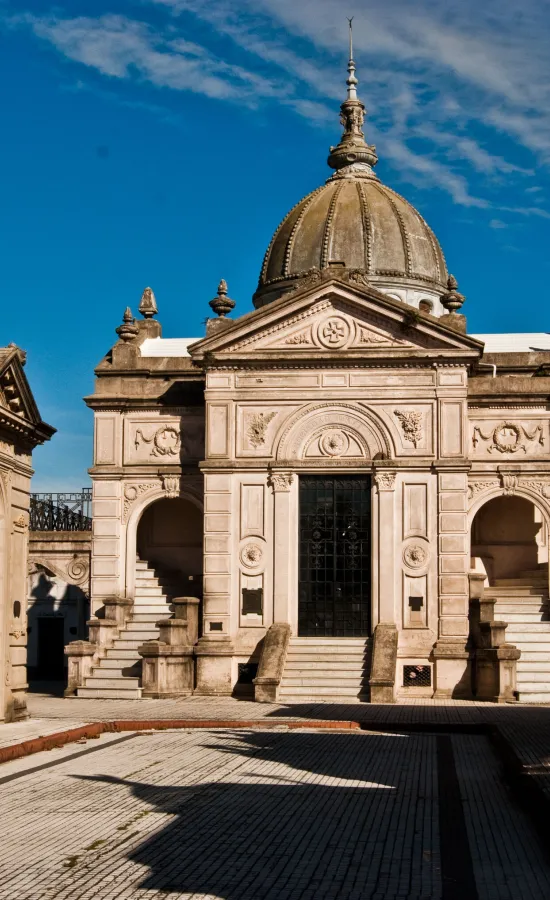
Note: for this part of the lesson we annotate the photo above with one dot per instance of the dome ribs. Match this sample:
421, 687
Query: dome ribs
328, 224
367, 226
401, 222
290, 243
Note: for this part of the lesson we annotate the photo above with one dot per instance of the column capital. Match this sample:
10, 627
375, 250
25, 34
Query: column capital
385, 481
281, 481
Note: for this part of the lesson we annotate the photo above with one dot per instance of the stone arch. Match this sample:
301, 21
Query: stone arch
368, 432
139, 507
508, 533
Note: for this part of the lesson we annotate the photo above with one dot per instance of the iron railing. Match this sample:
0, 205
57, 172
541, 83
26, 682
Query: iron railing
61, 512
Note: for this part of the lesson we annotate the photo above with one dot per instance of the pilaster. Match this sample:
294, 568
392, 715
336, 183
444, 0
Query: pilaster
283, 540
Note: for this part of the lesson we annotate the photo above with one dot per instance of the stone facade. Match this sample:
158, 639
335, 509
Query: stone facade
21, 429
354, 366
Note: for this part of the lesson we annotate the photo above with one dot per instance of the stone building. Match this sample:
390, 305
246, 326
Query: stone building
21, 429
332, 480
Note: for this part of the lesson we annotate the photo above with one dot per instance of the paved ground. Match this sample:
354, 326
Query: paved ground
255, 815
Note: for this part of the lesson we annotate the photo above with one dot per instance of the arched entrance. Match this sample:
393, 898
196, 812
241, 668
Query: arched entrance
509, 544
169, 541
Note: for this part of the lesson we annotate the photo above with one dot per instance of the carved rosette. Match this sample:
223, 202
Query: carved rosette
251, 555
334, 443
281, 481
415, 556
385, 481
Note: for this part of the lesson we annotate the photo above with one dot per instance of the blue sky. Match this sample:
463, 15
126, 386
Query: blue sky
160, 142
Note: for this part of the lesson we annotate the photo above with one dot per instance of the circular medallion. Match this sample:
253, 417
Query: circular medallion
167, 441
507, 437
415, 556
334, 333
251, 555
130, 492
334, 443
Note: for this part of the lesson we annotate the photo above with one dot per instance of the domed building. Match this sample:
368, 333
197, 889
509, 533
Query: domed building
341, 495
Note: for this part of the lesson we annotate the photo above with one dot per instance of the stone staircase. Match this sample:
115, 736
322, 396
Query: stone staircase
326, 670
117, 676
523, 603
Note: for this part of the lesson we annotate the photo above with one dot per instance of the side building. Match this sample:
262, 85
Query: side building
21, 430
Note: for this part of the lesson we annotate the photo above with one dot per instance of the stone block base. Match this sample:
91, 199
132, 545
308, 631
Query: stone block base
214, 668
452, 671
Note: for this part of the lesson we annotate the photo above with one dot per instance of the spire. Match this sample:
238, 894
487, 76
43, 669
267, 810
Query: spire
353, 156
352, 81
128, 330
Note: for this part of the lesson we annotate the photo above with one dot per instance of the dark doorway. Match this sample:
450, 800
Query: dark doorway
51, 644
335, 557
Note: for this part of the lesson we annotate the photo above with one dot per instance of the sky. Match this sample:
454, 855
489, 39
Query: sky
160, 143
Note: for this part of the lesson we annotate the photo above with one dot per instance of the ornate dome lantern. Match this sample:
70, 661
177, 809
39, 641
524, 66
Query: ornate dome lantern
354, 223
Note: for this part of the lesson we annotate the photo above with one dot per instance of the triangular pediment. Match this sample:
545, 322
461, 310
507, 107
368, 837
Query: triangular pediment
17, 403
336, 320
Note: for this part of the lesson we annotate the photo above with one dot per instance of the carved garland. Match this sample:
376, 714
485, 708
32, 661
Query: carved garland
166, 441
411, 425
508, 437
257, 428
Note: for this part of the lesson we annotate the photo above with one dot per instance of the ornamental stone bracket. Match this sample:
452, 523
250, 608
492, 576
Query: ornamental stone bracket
171, 485
73, 571
281, 481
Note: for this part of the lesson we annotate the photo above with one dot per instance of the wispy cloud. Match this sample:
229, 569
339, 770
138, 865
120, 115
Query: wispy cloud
470, 81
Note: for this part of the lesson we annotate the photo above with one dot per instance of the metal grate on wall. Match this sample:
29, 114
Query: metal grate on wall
417, 676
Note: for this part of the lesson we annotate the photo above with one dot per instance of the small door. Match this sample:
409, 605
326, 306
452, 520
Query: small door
335, 556
51, 645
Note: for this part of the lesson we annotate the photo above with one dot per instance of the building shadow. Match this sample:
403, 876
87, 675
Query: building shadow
270, 831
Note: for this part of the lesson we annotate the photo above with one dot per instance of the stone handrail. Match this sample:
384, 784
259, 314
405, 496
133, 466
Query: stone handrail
272, 663
494, 660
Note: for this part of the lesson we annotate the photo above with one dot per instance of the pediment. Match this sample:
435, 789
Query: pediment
17, 403
335, 320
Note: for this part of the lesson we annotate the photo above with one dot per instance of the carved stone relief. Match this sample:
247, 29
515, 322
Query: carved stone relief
350, 423
415, 556
411, 425
385, 481
477, 487
251, 555
281, 481
171, 485
257, 427
165, 441
509, 437
131, 494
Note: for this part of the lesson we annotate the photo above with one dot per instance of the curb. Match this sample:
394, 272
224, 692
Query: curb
95, 729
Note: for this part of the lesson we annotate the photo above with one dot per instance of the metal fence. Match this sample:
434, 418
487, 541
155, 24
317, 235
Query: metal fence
61, 512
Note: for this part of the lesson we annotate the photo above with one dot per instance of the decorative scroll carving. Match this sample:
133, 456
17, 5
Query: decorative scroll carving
257, 428
334, 443
78, 569
385, 481
370, 337
251, 555
476, 487
166, 441
132, 492
411, 425
508, 437
540, 487
415, 556
281, 481
171, 485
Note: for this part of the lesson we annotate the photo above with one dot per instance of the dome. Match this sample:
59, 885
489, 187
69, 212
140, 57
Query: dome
354, 223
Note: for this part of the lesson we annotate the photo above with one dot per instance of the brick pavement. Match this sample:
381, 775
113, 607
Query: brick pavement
255, 815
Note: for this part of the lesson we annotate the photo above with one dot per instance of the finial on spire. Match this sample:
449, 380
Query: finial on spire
128, 330
352, 81
148, 304
222, 304
452, 300
352, 156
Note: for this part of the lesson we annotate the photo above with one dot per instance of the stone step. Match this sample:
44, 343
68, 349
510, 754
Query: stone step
136, 626
326, 650
330, 665
94, 681
519, 618
307, 693
119, 653
534, 696
329, 641
535, 686
119, 693
529, 628
528, 637
152, 616
316, 681
530, 677
540, 665
150, 590
114, 663
124, 644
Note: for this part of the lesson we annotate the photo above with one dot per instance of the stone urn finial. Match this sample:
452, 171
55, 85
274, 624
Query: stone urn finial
452, 300
148, 304
128, 330
222, 304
